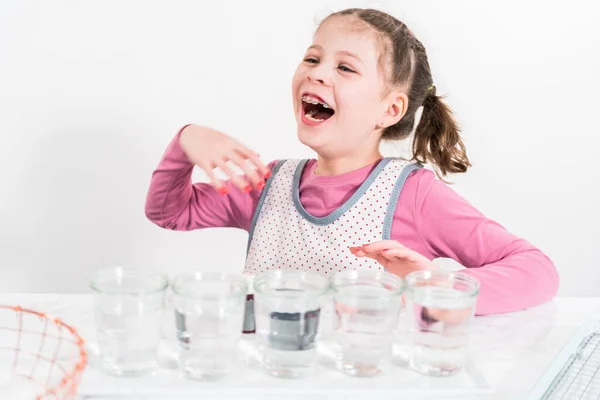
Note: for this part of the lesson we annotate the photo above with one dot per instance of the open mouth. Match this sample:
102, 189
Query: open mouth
315, 109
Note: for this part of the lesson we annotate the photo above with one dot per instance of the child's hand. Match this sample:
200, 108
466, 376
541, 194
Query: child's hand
210, 149
401, 260
396, 258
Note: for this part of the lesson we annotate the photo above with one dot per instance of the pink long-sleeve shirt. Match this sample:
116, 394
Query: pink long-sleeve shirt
430, 218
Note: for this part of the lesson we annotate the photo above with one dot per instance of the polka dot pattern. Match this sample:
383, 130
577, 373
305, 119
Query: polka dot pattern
284, 239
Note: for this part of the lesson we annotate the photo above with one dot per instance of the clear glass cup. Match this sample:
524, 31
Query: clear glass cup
168, 348
367, 304
209, 314
439, 309
287, 314
128, 309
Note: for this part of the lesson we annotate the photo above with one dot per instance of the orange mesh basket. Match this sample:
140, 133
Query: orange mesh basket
40, 351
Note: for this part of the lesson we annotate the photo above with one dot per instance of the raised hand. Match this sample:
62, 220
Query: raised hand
210, 149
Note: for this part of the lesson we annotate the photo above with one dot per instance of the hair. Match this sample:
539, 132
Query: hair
437, 136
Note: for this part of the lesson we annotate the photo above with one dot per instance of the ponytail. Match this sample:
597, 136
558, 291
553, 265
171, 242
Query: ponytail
437, 138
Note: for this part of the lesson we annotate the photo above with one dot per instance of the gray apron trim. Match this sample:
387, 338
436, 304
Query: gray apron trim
391, 210
362, 189
261, 201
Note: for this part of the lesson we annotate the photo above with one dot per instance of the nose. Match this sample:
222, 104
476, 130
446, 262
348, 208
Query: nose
320, 74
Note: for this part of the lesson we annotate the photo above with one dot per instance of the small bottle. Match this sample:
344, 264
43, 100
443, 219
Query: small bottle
249, 322
248, 347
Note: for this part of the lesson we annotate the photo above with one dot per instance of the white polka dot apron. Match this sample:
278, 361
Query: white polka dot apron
283, 235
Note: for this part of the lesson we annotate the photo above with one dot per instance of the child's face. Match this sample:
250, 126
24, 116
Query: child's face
340, 69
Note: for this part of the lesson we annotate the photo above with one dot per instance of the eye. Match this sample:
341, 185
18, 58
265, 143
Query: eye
345, 68
311, 60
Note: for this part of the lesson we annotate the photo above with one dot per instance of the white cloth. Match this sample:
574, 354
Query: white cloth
285, 236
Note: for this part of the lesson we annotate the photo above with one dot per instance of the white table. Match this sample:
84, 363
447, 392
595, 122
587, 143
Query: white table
509, 354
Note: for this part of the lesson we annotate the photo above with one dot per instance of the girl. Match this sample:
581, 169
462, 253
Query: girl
361, 81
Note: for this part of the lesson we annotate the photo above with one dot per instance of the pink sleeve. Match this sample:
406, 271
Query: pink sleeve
513, 274
174, 202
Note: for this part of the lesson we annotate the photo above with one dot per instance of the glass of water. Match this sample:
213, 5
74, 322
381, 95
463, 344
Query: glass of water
209, 315
367, 303
287, 313
439, 308
128, 309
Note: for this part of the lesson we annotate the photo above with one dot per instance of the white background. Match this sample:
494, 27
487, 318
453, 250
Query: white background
92, 92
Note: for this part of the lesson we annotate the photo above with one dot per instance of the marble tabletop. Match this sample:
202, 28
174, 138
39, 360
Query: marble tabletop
509, 354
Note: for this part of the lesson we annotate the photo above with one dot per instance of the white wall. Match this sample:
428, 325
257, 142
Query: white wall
92, 92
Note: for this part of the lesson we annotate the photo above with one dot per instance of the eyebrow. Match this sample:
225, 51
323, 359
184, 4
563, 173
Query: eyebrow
345, 52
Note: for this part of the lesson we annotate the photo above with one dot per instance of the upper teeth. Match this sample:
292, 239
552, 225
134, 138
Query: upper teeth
312, 100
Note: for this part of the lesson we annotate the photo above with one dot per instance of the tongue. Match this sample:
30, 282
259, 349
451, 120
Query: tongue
322, 114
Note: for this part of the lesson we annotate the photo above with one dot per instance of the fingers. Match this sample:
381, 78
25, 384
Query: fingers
354, 250
251, 174
252, 156
375, 247
210, 149
402, 252
381, 245
237, 180
382, 260
253, 177
214, 181
388, 257
387, 248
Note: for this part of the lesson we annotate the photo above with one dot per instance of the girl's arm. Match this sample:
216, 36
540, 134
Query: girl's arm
513, 273
174, 202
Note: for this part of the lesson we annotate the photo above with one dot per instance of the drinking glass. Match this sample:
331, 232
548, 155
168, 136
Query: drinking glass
439, 309
287, 313
128, 308
367, 304
209, 314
